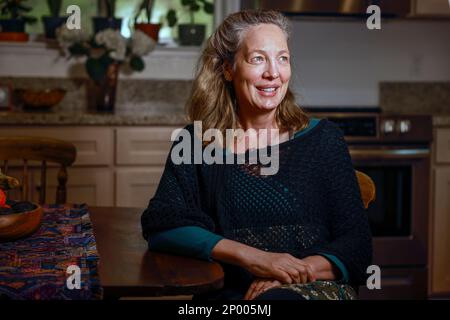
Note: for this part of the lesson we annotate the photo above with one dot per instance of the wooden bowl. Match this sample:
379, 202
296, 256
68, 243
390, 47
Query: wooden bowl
40, 100
17, 225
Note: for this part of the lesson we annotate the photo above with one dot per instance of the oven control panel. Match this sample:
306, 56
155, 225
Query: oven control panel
356, 127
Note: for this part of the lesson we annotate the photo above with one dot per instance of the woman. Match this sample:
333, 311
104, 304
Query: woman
300, 233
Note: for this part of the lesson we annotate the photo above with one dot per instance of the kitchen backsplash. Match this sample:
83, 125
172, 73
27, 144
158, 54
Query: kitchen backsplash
415, 97
169, 96
140, 96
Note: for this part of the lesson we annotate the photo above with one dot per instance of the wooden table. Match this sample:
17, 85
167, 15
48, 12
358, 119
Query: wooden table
127, 268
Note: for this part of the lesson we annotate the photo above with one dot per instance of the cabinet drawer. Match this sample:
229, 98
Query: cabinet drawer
94, 145
398, 283
94, 186
442, 146
432, 7
143, 146
135, 187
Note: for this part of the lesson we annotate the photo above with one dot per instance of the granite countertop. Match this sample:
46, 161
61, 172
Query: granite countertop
120, 119
91, 119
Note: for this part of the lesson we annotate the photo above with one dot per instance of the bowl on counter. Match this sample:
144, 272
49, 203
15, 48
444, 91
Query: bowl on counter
39, 100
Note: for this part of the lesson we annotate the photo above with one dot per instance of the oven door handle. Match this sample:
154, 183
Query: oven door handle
391, 153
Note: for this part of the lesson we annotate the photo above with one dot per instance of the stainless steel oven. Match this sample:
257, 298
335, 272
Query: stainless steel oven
394, 150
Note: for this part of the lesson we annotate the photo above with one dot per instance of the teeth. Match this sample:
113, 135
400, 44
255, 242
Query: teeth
268, 89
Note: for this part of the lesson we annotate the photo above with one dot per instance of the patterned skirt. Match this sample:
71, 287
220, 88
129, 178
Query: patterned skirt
318, 290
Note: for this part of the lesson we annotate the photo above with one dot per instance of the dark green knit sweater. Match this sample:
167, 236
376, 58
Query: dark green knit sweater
312, 205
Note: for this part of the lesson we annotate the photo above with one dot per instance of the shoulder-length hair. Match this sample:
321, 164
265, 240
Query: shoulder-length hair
212, 99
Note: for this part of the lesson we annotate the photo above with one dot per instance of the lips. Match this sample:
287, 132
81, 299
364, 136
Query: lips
267, 91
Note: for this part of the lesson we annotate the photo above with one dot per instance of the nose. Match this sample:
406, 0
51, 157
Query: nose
271, 70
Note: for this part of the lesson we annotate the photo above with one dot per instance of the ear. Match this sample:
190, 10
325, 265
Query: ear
227, 71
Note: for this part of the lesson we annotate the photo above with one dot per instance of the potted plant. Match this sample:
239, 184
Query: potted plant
150, 29
13, 29
108, 22
54, 20
191, 34
105, 53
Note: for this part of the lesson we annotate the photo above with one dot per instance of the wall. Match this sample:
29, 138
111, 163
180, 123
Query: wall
336, 63
340, 63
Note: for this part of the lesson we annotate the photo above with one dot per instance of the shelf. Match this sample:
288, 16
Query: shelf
42, 58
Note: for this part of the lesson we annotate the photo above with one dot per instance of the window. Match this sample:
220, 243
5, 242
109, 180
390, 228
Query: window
40, 8
125, 9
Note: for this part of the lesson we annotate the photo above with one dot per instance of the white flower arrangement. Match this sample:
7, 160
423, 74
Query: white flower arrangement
105, 48
141, 44
113, 41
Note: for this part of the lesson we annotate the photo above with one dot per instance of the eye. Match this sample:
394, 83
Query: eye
284, 59
257, 59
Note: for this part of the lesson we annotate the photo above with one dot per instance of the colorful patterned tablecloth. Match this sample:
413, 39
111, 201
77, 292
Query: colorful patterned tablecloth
35, 268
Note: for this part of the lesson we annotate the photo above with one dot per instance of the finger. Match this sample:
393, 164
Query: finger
257, 291
305, 270
294, 273
304, 275
311, 275
282, 276
266, 286
250, 290
261, 290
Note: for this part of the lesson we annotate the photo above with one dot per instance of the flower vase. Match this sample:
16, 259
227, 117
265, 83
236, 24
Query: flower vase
105, 89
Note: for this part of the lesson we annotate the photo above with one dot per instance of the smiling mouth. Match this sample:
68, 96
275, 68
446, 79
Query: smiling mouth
267, 90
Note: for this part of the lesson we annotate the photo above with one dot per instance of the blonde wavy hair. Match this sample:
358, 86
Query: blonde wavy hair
212, 98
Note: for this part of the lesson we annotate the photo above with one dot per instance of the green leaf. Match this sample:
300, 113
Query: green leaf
208, 7
29, 19
171, 17
78, 49
23, 8
94, 44
96, 69
194, 7
136, 63
105, 59
187, 2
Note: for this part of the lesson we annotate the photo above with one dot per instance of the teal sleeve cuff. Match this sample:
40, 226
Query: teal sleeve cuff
188, 241
338, 263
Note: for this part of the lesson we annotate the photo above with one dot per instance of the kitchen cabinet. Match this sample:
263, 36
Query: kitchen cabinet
431, 8
115, 166
93, 186
140, 157
440, 224
135, 186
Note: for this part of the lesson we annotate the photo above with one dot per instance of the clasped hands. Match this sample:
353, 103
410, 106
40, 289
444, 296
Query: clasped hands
275, 269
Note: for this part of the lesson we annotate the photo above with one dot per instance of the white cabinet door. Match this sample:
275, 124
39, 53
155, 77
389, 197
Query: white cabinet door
93, 186
136, 186
143, 146
432, 7
94, 145
440, 254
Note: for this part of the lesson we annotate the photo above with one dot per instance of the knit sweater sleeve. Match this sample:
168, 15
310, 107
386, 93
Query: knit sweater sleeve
350, 237
177, 199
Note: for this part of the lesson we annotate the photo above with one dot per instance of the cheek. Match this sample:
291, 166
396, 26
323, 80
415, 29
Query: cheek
285, 74
252, 76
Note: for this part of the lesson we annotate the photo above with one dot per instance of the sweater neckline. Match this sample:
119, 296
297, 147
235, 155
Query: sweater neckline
296, 137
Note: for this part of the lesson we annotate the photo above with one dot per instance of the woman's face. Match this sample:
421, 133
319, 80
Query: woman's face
262, 68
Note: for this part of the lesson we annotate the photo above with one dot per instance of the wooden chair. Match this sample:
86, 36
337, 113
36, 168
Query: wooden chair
367, 188
39, 149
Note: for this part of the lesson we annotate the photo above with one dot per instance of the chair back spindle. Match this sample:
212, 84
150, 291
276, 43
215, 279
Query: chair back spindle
44, 150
